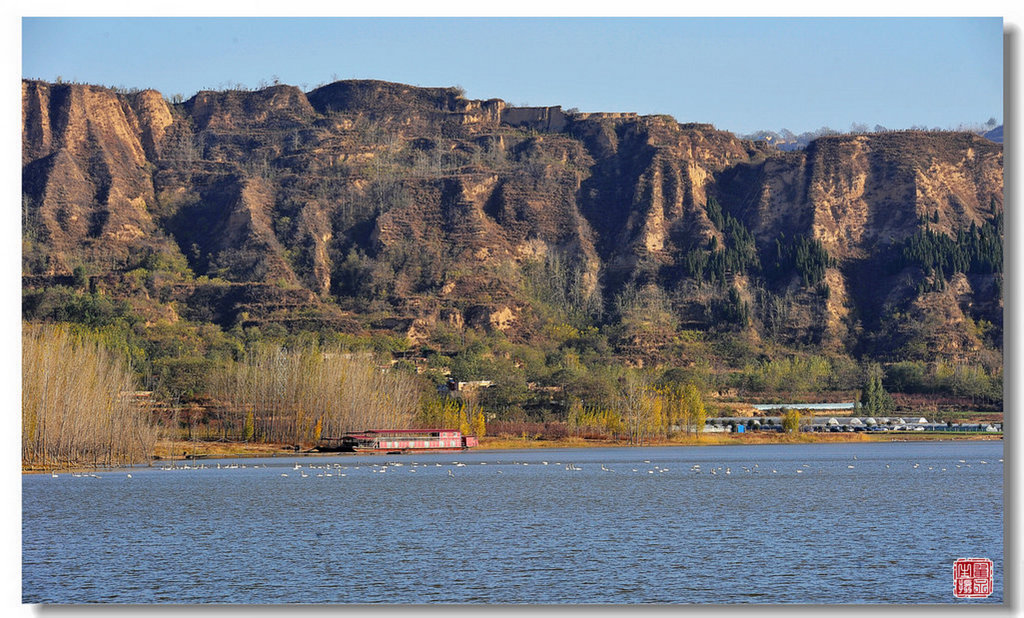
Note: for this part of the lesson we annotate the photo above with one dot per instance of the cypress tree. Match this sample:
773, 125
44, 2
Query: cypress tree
875, 400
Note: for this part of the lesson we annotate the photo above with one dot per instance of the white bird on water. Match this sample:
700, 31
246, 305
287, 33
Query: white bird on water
450, 474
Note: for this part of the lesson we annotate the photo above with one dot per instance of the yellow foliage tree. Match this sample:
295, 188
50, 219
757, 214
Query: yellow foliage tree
694, 412
442, 413
791, 421
683, 407
582, 418
672, 403
479, 424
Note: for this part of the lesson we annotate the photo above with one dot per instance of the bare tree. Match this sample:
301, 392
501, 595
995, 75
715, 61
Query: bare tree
78, 405
298, 396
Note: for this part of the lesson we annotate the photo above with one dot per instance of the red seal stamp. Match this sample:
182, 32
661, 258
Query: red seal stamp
972, 578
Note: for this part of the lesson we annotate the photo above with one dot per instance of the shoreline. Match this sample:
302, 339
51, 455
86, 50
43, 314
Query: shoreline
745, 439
167, 450
210, 450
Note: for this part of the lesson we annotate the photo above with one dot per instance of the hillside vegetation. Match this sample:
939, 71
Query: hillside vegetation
553, 253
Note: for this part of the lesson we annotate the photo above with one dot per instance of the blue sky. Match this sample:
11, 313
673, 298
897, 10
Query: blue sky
739, 74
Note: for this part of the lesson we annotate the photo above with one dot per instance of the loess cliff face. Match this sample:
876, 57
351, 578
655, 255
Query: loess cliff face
368, 205
87, 187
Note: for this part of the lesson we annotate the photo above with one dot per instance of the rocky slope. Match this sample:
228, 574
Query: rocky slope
368, 205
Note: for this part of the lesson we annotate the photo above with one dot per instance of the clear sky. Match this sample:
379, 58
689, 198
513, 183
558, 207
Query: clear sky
739, 74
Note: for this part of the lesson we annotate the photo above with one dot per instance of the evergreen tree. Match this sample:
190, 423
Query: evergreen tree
875, 400
249, 430
976, 250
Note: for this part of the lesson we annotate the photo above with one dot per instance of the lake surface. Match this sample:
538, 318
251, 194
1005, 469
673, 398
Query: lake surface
821, 523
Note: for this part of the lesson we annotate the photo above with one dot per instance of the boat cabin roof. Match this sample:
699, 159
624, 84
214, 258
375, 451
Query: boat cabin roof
407, 432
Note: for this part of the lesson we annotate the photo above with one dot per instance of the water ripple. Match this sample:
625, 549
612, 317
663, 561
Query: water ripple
508, 533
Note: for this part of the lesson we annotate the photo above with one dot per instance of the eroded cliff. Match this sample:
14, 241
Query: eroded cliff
364, 205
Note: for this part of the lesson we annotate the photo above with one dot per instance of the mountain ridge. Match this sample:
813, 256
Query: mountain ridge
366, 206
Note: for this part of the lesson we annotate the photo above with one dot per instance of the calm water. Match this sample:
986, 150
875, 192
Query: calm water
850, 523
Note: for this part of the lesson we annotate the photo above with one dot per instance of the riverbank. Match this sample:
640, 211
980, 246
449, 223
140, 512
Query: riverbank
185, 449
717, 439
177, 450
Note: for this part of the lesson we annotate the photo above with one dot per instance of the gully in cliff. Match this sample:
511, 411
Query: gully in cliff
396, 441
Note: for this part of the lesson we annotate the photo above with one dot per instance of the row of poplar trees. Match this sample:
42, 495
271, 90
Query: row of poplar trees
80, 403
77, 402
276, 394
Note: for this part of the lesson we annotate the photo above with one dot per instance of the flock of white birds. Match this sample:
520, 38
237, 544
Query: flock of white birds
330, 470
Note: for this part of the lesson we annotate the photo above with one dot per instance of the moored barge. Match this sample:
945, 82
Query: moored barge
400, 441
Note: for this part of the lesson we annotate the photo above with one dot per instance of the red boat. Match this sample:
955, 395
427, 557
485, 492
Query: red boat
401, 441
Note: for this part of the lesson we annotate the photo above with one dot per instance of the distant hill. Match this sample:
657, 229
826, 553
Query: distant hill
789, 141
996, 134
